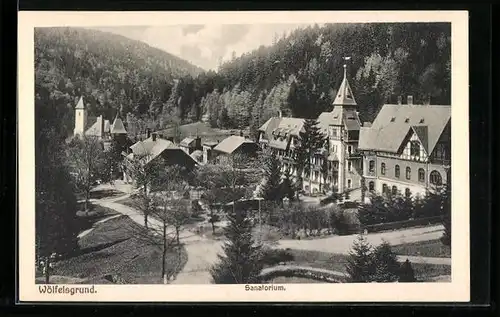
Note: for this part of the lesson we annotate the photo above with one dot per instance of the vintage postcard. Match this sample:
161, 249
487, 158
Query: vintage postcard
243, 156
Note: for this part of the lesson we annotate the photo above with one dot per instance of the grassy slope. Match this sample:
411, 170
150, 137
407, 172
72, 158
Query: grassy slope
109, 249
432, 248
337, 262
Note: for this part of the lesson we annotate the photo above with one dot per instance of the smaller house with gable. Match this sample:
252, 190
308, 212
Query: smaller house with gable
154, 148
234, 145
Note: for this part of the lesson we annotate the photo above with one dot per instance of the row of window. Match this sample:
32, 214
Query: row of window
385, 189
434, 178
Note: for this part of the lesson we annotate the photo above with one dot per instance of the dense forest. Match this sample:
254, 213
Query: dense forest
298, 75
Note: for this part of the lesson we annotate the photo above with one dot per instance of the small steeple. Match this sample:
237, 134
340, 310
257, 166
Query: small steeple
80, 104
117, 126
345, 97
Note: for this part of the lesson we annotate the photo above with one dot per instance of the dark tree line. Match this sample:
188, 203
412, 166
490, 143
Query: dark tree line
298, 75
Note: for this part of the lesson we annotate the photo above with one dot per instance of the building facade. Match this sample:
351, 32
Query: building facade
338, 165
407, 149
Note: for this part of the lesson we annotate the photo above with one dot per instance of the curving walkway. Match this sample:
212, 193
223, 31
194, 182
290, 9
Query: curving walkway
202, 252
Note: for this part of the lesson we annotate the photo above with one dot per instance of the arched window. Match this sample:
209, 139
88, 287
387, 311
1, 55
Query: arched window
384, 188
435, 178
407, 193
394, 190
396, 171
421, 175
371, 186
408, 173
382, 168
371, 166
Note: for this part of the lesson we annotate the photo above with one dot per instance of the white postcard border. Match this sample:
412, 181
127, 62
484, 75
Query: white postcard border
457, 290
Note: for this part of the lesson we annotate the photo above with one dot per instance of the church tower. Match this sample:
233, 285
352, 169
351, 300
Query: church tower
80, 118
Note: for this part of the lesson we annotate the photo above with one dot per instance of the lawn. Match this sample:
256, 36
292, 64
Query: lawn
337, 262
201, 129
431, 248
109, 250
86, 219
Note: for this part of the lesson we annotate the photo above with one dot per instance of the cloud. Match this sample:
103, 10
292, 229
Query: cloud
193, 28
204, 45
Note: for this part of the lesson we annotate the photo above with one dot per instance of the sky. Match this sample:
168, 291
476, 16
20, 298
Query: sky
205, 45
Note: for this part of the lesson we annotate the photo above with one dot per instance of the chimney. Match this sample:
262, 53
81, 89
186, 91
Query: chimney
197, 143
101, 132
241, 132
280, 114
148, 133
153, 136
400, 100
410, 100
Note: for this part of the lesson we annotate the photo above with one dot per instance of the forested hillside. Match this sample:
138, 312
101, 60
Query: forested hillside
109, 70
297, 75
300, 73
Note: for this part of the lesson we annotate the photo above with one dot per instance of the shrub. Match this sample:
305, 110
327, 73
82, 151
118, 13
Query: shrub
380, 264
359, 265
386, 264
272, 257
313, 275
341, 223
241, 261
393, 208
333, 198
406, 273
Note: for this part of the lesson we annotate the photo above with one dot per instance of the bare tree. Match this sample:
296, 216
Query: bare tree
161, 233
154, 174
179, 212
88, 164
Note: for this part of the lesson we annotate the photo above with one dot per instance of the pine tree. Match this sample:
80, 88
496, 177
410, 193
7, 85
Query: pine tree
386, 264
272, 171
406, 273
241, 262
311, 139
223, 121
287, 189
360, 266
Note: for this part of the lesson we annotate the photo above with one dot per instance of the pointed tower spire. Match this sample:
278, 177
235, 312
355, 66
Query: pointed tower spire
345, 96
80, 104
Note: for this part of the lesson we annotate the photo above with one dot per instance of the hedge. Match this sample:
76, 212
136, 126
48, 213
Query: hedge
402, 224
295, 272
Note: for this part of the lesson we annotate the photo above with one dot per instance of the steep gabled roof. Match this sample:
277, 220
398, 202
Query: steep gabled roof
117, 127
230, 144
394, 122
151, 149
423, 136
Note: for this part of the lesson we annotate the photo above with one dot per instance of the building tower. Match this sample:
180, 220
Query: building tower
346, 133
80, 118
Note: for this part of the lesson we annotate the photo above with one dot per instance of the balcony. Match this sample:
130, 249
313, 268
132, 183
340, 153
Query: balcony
354, 155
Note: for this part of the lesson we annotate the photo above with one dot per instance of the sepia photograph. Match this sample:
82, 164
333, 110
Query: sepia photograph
263, 155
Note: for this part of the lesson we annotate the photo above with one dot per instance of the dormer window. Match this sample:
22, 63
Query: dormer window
421, 120
407, 120
393, 119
